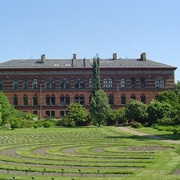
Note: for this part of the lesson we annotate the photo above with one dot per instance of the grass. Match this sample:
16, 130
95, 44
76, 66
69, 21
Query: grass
85, 153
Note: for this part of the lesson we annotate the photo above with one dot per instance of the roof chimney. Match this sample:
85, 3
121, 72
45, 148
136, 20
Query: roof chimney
114, 56
143, 56
74, 56
42, 58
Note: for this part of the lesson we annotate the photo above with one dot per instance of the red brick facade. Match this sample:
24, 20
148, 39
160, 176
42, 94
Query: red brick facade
49, 89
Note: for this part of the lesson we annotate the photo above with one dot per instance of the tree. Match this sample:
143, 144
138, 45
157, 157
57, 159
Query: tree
76, 116
99, 107
96, 75
157, 110
7, 109
136, 110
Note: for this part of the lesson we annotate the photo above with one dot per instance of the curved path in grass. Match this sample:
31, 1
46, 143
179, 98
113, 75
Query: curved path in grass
137, 133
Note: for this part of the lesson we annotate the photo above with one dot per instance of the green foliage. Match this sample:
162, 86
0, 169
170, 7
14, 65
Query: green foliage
99, 107
48, 123
7, 110
112, 118
157, 110
136, 125
136, 110
76, 116
96, 75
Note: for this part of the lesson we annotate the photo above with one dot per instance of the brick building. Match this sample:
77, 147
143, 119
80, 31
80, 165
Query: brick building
46, 86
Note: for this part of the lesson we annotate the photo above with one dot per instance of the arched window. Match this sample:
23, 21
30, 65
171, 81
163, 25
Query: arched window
25, 100
25, 84
133, 83
50, 100
15, 83
15, 100
90, 83
1, 84
64, 100
81, 83
142, 82
122, 83
47, 84
79, 99
67, 83
76, 83
62, 83
162, 82
53, 84
133, 96
159, 82
105, 83
35, 84
143, 98
123, 99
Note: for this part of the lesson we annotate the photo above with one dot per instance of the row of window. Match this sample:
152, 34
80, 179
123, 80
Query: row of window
80, 84
51, 113
65, 100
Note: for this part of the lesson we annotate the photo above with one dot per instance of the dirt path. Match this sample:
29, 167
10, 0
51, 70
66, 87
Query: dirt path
134, 132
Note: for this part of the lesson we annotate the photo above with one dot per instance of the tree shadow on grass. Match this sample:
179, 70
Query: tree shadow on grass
145, 137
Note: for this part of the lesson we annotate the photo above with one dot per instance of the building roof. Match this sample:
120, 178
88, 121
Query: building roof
81, 63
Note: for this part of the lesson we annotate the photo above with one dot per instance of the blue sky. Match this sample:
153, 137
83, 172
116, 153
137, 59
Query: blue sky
86, 27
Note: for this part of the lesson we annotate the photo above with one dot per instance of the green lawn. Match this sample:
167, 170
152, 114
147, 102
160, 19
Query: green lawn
85, 153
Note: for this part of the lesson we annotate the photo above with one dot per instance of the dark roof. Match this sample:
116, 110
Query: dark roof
80, 63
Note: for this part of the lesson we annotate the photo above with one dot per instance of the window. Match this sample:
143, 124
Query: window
47, 84
15, 100
79, 99
64, 100
35, 112
133, 96
25, 100
35, 101
162, 83
35, 84
123, 99
50, 100
142, 83
76, 83
133, 83
25, 84
62, 83
53, 84
111, 99
66, 83
107, 83
143, 98
1, 84
63, 112
90, 83
50, 113
15, 83
159, 82
123, 83
81, 83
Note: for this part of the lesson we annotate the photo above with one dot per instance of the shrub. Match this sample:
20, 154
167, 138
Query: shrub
136, 125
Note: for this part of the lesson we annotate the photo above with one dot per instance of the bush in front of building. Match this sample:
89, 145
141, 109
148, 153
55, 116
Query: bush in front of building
76, 116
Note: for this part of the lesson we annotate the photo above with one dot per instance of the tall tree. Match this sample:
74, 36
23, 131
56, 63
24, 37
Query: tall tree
96, 74
99, 107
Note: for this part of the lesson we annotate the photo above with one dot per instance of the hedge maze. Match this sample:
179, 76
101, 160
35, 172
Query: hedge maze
75, 153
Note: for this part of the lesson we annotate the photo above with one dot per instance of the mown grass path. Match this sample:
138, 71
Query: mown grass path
85, 153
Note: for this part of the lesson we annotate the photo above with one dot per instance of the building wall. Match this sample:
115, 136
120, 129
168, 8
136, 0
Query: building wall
150, 91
